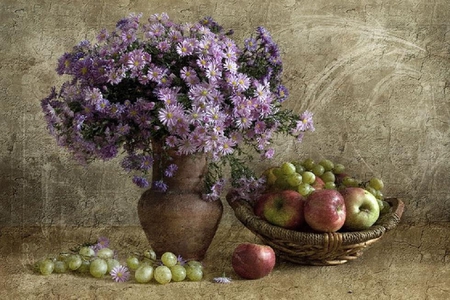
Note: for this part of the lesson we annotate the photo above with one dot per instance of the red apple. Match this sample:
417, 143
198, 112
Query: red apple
325, 210
253, 261
284, 208
362, 208
318, 183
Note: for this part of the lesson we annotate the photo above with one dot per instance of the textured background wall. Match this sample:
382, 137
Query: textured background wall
375, 73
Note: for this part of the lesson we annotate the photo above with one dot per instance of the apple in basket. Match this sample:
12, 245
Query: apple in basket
318, 183
325, 210
283, 208
362, 208
253, 261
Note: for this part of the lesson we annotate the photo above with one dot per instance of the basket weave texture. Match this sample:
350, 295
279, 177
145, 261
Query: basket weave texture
310, 248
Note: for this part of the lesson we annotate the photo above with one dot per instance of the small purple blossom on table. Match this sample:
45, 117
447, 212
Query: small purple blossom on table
120, 274
222, 279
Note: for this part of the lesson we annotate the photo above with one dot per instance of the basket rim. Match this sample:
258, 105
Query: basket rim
244, 213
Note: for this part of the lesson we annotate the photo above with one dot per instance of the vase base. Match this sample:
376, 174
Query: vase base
181, 223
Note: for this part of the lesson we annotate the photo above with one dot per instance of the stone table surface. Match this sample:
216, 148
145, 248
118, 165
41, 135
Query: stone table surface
410, 262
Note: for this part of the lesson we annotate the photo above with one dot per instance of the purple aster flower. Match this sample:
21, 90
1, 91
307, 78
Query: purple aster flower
251, 44
128, 36
136, 60
108, 152
212, 72
102, 105
222, 279
102, 36
64, 63
189, 76
163, 46
170, 170
305, 123
160, 186
102, 242
172, 141
169, 115
186, 146
147, 162
282, 93
116, 76
140, 181
181, 260
260, 127
269, 153
120, 273
185, 48
175, 36
230, 66
155, 73
201, 92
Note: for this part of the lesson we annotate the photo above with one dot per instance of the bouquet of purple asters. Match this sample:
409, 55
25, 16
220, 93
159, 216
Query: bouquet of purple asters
187, 86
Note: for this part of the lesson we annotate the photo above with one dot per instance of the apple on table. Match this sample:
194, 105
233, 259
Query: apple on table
253, 261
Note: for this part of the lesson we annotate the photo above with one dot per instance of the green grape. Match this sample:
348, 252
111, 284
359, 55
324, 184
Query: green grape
46, 267
105, 253
349, 181
98, 267
299, 168
328, 176
74, 262
132, 262
287, 168
371, 190
162, 274
60, 266
112, 263
277, 172
144, 273
338, 169
294, 179
150, 254
195, 264
309, 164
87, 252
318, 170
63, 257
282, 183
85, 266
308, 177
178, 273
169, 259
329, 185
305, 189
379, 195
37, 265
327, 164
386, 207
376, 183
194, 274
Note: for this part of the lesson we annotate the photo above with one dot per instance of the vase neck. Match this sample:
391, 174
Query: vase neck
190, 173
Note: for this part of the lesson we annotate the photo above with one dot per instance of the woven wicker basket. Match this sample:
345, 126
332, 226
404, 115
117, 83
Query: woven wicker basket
310, 248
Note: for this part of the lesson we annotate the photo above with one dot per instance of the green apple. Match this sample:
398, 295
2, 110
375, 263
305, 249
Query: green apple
284, 208
362, 208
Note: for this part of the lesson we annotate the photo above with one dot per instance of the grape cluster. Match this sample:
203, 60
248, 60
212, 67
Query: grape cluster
144, 265
169, 268
307, 176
